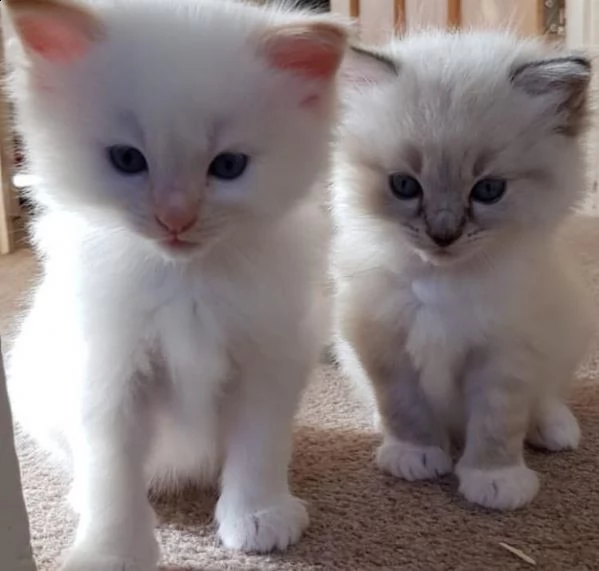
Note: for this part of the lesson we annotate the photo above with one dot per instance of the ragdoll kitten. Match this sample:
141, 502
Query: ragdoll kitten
459, 157
178, 317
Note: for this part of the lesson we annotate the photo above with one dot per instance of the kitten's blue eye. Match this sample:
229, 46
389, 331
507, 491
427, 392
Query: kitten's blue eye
488, 190
127, 160
404, 187
228, 166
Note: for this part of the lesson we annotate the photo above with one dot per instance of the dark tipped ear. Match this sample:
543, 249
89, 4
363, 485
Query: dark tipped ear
364, 66
562, 84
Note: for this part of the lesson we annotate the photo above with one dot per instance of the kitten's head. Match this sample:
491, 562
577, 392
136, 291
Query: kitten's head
175, 121
459, 144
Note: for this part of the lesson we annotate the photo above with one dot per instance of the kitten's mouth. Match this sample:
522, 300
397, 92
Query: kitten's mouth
441, 253
178, 245
440, 257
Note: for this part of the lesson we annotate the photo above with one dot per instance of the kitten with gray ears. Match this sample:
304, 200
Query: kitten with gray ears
459, 157
176, 145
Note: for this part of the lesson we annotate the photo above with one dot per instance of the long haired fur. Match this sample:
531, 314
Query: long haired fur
459, 156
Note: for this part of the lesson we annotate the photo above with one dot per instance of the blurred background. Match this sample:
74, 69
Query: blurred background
572, 22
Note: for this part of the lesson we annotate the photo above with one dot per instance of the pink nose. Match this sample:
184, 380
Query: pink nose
176, 221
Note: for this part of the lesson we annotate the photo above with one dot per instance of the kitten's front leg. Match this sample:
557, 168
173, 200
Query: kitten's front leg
491, 470
415, 446
256, 511
116, 522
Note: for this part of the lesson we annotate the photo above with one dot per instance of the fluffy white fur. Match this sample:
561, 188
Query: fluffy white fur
480, 337
143, 364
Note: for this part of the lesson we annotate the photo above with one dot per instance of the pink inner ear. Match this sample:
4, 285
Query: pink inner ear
306, 58
54, 39
314, 52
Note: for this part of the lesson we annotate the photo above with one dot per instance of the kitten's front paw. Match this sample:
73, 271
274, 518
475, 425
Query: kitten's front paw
501, 489
83, 560
412, 462
555, 428
123, 550
274, 527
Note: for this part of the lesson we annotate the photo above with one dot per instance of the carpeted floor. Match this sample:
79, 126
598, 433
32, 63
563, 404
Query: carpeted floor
362, 519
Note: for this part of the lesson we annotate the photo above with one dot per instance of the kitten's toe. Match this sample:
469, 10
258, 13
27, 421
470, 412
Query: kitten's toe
554, 428
501, 488
75, 498
412, 462
274, 527
377, 421
83, 560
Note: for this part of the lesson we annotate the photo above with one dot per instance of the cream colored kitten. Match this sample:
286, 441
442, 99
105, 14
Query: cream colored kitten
459, 157
176, 145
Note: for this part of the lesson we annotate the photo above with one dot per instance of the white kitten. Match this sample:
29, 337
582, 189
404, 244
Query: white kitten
179, 314
459, 157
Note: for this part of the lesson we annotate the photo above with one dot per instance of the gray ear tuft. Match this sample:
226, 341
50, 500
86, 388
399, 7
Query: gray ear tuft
368, 66
565, 82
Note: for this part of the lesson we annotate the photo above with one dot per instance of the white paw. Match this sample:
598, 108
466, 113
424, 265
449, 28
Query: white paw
555, 428
502, 488
275, 527
84, 560
106, 548
412, 462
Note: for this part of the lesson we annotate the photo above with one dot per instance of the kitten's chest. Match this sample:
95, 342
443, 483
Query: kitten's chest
190, 338
446, 322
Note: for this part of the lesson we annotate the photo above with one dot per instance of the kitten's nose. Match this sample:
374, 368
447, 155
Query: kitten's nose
444, 239
176, 212
176, 221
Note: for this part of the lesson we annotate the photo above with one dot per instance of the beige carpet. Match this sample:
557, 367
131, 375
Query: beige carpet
362, 519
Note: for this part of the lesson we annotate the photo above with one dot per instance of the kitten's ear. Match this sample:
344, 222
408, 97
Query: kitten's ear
561, 84
313, 50
367, 66
55, 30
